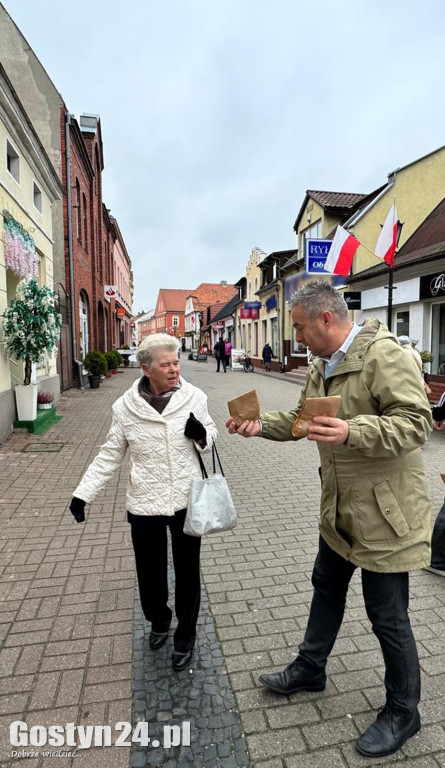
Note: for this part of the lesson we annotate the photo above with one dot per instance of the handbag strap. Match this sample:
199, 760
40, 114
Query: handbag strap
215, 456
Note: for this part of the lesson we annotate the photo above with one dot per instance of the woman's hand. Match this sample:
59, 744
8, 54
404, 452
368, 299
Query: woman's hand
77, 509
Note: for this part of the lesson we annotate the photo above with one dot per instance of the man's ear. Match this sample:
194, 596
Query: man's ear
327, 318
145, 370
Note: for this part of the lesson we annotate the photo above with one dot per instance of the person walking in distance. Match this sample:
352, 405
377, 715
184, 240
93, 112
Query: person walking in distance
267, 355
220, 354
163, 422
227, 351
375, 510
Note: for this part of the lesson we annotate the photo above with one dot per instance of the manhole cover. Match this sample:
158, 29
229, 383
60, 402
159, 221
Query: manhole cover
43, 447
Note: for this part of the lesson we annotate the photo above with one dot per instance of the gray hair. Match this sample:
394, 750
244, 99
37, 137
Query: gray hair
151, 345
317, 297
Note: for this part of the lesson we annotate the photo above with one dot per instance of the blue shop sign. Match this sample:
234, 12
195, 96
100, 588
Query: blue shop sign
316, 255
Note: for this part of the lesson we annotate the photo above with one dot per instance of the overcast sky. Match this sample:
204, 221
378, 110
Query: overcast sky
217, 115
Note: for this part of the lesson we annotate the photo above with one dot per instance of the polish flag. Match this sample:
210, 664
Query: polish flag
387, 243
342, 252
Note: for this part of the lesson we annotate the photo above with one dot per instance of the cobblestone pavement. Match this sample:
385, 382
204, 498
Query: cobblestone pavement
67, 604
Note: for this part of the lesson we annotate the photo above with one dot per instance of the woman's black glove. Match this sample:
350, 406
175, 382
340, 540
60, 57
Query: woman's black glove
77, 508
194, 429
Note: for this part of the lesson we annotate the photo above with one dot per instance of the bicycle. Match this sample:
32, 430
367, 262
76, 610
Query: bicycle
247, 363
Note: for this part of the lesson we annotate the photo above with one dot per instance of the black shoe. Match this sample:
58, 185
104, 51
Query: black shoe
181, 660
294, 678
157, 640
388, 733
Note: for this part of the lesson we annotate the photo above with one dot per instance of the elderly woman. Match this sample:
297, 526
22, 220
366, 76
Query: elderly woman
163, 421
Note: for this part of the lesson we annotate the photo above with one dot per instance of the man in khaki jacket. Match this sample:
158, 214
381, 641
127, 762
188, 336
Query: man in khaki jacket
375, 511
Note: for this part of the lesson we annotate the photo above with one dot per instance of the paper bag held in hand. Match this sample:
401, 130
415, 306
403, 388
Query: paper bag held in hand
244, 408
315, 406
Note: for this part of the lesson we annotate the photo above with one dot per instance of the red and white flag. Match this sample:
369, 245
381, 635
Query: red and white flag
387, 243
343, 248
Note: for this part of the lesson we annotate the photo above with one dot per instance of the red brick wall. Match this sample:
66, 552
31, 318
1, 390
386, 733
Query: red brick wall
89, 270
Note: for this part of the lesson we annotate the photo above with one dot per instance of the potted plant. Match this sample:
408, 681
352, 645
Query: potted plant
31, 327
44, 400
112, 361
118, 358
96, 365
126, 358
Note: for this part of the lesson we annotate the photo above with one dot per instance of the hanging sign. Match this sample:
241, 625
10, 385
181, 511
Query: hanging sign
317, 252
110, 292
353, 299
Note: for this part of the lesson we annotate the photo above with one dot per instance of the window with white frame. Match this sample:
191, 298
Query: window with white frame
12, 161
37, 197
175, 321
312, 233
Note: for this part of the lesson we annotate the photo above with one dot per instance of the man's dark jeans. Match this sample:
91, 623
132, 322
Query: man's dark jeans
149, 537
386, 601
438, 541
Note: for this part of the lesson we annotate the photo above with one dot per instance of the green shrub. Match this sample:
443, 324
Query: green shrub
118, 358
111, 360
95, 363
125, 346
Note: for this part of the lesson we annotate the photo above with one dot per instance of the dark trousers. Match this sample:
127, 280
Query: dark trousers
386, 601
438, 541
149, 537
220, 360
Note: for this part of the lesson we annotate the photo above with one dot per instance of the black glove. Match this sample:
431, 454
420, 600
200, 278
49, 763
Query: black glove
77, 508
439, 412
194, 429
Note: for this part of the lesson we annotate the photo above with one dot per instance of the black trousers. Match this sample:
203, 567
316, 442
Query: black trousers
149, 537
386, 601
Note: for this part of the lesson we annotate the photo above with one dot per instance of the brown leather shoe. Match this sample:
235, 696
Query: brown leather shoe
295, 677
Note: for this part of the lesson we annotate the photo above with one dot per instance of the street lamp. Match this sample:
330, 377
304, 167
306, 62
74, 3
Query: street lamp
390, 286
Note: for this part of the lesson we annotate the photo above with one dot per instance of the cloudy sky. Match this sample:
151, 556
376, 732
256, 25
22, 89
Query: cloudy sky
217, 115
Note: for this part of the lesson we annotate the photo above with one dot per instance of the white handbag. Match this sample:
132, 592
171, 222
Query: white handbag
210, 508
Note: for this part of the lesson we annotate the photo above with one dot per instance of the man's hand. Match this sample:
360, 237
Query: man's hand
325, 429
439, 425
246, 429
77, 509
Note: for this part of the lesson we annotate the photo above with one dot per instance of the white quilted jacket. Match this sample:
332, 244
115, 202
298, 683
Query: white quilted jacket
162, 460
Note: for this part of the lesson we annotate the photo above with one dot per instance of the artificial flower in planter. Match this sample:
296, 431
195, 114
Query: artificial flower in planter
44, 400
31, 327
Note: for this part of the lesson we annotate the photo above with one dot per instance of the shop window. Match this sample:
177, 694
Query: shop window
402, 323
438, 339
274, 335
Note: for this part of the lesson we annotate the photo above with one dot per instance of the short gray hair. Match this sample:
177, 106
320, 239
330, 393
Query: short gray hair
152, 344
318, 297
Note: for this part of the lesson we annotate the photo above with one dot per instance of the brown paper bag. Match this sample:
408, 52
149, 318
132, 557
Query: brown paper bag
244, 408
443, 477
315, 406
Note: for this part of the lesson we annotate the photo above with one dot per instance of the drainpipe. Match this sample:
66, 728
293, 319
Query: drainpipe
70, 245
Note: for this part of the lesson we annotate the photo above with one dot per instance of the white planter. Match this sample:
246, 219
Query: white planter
26, 401
44, 406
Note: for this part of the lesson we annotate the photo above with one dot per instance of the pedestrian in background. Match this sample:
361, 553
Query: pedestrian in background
375, 511
437, 565
406, 344
267, 356
163, 421
227, 351
220, 354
